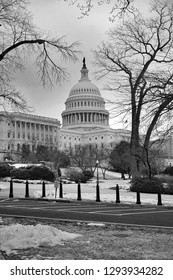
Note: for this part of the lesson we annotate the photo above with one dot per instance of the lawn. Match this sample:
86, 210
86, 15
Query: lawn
98, 241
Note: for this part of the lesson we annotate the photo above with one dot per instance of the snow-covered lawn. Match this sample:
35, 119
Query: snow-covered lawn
88, 191
19, 236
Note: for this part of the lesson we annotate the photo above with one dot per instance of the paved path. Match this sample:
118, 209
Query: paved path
90, 212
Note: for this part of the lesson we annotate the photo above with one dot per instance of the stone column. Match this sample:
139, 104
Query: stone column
15, 130
35, 135
25, 124
20, 129
93, 117
40, 132
44, 133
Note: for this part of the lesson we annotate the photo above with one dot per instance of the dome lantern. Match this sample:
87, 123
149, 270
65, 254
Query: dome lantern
84, 72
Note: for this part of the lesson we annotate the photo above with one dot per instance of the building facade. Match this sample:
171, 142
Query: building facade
85, 119
18, 129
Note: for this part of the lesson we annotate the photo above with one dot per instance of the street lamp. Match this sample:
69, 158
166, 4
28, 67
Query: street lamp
97, 185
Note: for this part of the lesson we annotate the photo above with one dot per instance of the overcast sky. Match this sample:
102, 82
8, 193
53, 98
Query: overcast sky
60, 19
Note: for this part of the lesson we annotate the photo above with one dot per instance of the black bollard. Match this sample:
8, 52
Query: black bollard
97, 192
43, 189
117, 194
78, 192
27, 189
11, 189
159, 197
138, 197
60, 190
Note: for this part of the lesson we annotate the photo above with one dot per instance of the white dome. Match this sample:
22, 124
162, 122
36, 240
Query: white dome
84, 87
85, 107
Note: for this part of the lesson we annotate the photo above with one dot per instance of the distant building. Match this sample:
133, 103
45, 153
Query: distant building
19, 129
85, 119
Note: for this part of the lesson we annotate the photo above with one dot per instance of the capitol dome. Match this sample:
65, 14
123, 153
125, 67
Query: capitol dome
85, 107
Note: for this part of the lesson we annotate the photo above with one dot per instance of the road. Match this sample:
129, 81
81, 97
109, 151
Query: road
89, 212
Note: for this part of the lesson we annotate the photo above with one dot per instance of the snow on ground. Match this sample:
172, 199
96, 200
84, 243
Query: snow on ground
3, 187
18, 165
88, 191
19, 236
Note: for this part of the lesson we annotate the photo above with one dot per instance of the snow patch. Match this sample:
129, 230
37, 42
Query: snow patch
19, 236
96, 224
19, 165
3, 187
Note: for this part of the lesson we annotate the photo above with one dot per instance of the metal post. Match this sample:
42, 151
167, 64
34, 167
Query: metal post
43, 189
159, 197
27, 189
78, 191
97, 185
138, 197
117, 194
60, 190
11, 189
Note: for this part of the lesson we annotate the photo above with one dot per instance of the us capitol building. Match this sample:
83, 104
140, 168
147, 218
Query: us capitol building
84, 121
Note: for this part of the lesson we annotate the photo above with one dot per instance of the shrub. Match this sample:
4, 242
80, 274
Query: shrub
167, 183
5, 170
41, 173
168, 170
76, 176
20, 173
146, 185
88, 174
33, 173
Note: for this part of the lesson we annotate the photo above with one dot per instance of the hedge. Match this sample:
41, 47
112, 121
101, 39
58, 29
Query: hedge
33, 173
146, 185
5, 170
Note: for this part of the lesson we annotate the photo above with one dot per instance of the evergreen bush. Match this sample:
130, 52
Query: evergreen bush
88, 174
33, 173
5, 170
146, 185
41, 173
20, 173
169, 170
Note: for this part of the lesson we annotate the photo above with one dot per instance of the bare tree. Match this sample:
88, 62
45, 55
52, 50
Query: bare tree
118, 7
103, 156
137, 59
19, 39
84, 157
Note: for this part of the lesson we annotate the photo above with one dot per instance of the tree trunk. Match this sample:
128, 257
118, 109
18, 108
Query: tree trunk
135, 161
